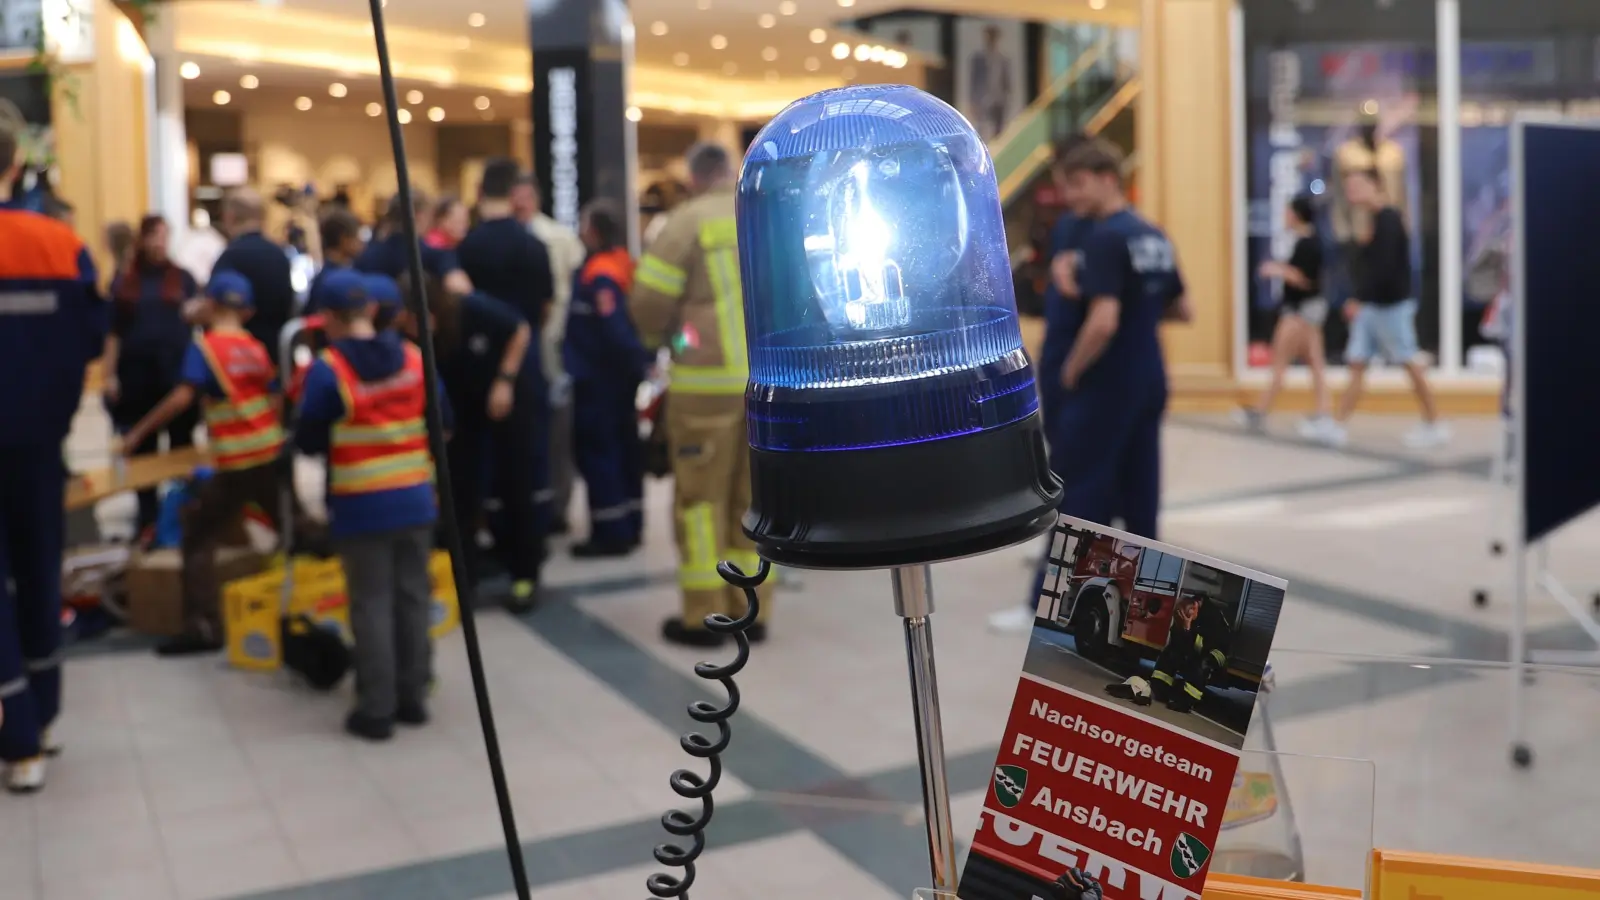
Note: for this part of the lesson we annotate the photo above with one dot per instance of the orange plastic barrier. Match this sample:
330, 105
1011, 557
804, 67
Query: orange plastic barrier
1238, 887
1398, 875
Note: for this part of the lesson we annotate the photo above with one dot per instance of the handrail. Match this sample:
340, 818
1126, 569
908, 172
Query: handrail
1028, 167
1047, 97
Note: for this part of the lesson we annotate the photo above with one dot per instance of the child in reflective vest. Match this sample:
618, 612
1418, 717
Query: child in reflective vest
363, 408
237, 380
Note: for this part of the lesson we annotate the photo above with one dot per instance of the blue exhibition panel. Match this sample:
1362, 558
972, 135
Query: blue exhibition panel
1559, 323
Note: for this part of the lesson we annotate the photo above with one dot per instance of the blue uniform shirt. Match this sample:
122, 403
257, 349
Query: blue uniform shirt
1062, 315
601, 344
505, 261
388, 257
53, 323
487, 326
1131, 261
322, 404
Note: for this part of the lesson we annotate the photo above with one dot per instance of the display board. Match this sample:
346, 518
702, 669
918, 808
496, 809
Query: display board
1557, 272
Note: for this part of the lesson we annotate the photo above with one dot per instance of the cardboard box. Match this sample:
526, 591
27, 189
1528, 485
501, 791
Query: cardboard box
252, 607
154, 583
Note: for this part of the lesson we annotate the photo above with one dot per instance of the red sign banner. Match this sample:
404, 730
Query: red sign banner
1082, 784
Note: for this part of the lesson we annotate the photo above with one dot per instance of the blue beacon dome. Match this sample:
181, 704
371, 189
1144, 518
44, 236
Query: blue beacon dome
879, 308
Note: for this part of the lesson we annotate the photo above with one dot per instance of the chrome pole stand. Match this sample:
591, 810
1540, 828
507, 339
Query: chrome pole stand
913, 602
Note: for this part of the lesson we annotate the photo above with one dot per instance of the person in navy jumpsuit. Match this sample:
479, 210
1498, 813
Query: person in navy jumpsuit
1105, 431
607, 362
53, 323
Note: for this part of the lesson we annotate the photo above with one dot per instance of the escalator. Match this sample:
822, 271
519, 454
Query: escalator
1090, 97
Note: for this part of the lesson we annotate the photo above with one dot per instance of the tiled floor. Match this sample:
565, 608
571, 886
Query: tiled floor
189, 780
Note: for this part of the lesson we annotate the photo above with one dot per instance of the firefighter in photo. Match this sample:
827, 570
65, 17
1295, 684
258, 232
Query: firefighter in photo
687, 295
1196, 652
606, 361
53, 322
1074, 884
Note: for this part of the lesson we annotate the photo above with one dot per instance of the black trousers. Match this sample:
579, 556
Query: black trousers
145, 381
509, 450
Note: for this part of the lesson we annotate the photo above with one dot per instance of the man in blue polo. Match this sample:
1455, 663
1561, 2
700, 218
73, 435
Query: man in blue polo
53, 322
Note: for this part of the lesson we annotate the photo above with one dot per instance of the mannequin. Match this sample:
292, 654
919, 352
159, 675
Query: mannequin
1368, 149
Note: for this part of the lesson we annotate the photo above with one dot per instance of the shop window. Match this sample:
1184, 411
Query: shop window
1332, 86
1533, 56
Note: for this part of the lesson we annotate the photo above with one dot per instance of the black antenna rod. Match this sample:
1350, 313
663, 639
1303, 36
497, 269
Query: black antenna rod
465, 591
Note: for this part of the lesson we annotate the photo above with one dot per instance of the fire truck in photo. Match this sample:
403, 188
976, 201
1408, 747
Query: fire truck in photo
1116, 598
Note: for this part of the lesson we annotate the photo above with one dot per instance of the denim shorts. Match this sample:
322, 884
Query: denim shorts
1387, 331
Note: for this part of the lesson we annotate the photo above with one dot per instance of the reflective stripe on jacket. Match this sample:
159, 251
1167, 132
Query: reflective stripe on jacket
381, 444
243, 425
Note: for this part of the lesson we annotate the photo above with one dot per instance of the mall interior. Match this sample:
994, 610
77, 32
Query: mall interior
1403, 669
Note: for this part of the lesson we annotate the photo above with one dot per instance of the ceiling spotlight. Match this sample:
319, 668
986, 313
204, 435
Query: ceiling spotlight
729, 68
847, 3
189, 70
896, 59
787, 7
680, 59
841, 50
634, 114
404, 117
658, 28
770, 54
876, 54
813, 64
475, 20
337, 90
1097, 4
413, 97
249, 82
436, 114
767, 20
818, 35
374, 109
704, 4
481, 103
302, 103
221, 98
718, 42
862, 52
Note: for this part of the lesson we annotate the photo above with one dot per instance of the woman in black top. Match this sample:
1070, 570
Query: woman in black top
1300, 318
144, 352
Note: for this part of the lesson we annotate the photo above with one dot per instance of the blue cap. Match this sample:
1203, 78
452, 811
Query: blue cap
342, 289
230, 289
384, 291
879, 306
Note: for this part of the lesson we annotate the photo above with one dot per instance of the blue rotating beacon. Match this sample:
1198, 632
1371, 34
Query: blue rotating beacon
893, 415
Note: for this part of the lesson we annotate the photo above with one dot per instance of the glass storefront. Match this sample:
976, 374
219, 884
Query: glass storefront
1332, 87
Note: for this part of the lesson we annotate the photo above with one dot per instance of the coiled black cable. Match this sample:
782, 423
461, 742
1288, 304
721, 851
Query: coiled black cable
691, 785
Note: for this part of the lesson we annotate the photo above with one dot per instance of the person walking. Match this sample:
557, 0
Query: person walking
144, 353
53, 323
687, 294
1301, 314
1383, 315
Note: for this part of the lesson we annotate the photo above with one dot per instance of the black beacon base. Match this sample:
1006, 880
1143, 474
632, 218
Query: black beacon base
905, 505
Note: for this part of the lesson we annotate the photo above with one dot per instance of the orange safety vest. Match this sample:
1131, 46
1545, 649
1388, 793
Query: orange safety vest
381, 444
243, 424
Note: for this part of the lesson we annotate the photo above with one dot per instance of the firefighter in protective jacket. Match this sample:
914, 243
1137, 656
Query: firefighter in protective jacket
1196, 652
687, 295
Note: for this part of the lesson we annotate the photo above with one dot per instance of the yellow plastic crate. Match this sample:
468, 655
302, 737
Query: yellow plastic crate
251, 607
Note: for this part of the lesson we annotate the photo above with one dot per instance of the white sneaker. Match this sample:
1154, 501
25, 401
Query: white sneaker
1015, 620
1249, 419
1328, 433
26, 776
1428, 435
1311, 427
48, 745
